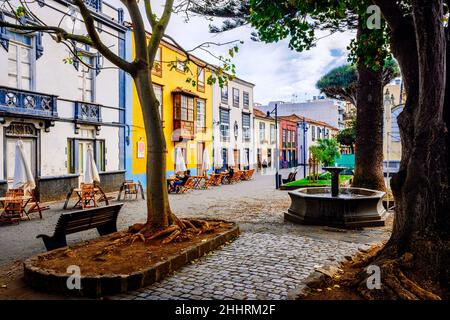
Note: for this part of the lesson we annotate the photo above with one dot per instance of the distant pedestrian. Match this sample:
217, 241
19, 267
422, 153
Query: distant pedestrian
264, 166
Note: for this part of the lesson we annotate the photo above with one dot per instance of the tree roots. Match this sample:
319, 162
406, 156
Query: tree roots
178, 230
395, 284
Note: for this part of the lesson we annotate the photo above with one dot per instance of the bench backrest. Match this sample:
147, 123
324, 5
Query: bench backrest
87, 219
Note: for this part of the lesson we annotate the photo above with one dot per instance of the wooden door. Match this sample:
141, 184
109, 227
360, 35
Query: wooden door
237, 158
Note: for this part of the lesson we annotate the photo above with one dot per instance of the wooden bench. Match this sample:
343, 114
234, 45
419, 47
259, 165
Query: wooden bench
102, 218
290, 178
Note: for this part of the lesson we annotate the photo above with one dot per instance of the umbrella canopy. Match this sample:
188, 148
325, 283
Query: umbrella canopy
206, 165
244, 158
90, 171
180, 164
23, 177
218, 161
231, 162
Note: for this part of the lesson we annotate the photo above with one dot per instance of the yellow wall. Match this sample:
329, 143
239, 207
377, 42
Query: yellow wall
170, 80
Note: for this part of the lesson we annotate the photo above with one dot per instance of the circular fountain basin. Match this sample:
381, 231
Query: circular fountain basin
352, 208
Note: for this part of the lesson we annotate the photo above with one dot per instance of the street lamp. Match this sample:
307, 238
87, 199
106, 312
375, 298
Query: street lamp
304, 127
277, 152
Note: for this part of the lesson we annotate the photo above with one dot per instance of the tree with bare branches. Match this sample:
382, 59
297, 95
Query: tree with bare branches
160, 219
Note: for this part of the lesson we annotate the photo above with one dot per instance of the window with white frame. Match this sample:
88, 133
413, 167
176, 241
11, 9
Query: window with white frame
201, 114
224, 125
157, 65
246, 127
158, 93
273, 133
246, 100
224, 94
262, 132
313, 133
236, 95
21, 61
181, 65
86, 78
201, 79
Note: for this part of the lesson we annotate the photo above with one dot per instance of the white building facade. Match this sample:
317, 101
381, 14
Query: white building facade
233, 123
265, 139
60, 102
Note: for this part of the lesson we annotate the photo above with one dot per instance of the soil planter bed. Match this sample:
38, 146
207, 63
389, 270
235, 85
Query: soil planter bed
126, 268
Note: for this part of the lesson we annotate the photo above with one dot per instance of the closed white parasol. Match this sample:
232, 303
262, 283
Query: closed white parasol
206, 165
90, 171
218, 161
180, 164
231, 162
23, 177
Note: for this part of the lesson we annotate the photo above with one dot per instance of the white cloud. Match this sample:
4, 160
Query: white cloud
277, 71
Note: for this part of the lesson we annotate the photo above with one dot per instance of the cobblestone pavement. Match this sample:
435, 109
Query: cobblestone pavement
255, 266
269, 259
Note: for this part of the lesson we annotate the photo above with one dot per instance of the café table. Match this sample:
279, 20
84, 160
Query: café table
78, 193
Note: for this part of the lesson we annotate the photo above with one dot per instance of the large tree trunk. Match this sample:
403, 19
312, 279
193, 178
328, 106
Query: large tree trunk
421, 190
158, 209
369, 126
419, 247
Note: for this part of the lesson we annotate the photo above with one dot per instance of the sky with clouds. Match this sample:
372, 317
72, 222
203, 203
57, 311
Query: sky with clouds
278, 72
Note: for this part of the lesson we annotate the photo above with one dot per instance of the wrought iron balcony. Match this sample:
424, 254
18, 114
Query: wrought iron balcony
88, 112
27, 103
95, 4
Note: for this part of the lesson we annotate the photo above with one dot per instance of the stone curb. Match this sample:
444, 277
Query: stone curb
97, 286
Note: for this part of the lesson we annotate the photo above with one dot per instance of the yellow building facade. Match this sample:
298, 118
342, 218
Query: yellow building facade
185, 108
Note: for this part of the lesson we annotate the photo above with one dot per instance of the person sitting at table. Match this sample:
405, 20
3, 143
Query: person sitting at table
181, 181
230, 173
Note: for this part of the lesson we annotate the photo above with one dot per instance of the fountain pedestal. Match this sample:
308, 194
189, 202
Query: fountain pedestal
345, 208
335, 171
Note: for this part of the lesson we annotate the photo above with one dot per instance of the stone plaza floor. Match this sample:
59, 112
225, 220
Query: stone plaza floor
270, 258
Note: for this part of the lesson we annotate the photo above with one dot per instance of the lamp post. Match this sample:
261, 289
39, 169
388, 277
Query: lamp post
277, 151
305, 130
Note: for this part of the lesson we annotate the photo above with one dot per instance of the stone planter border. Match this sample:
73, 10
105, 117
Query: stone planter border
97, 286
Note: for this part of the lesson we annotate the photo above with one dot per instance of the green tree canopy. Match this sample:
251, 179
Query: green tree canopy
347, 137
326, 151
341, 83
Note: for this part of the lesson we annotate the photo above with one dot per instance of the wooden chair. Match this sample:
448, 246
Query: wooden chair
130, 188
209, 181
88, 193
250, 174
35, 205
236, 176
189, 185
13, 207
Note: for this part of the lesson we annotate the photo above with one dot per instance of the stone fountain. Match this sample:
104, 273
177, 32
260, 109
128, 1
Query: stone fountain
337, 207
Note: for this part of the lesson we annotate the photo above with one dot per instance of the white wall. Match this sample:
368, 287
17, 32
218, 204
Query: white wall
264, 146
235, 116
53, 76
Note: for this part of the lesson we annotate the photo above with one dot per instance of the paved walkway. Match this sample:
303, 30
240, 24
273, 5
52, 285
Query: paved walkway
268, 260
